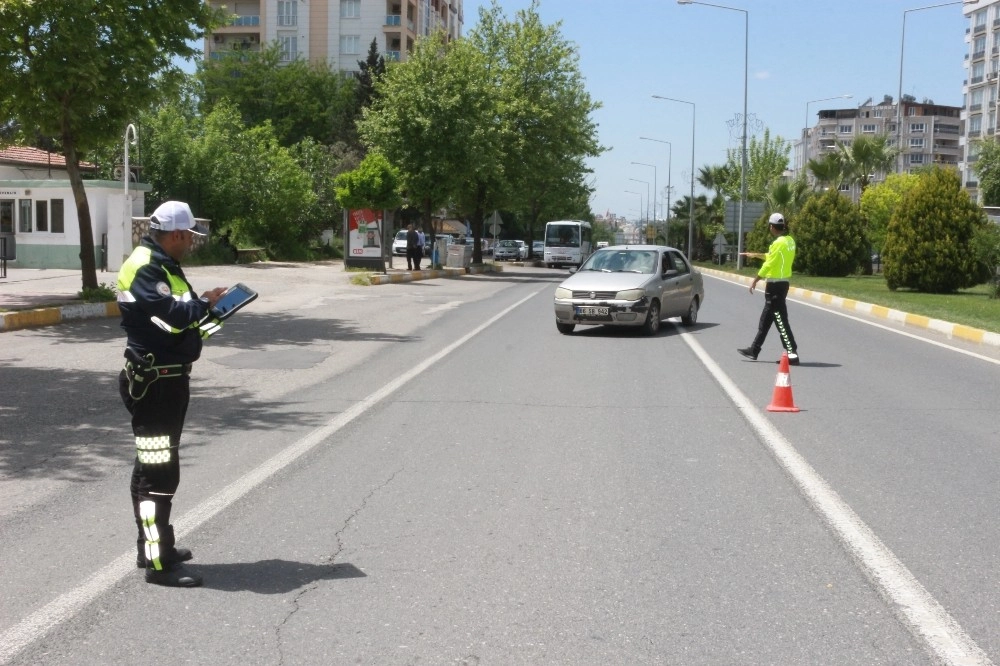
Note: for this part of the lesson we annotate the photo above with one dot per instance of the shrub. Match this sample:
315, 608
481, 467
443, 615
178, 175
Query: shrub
928, 244
829, 235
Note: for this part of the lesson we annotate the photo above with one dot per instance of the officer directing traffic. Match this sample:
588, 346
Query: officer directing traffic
777, 270
165, 323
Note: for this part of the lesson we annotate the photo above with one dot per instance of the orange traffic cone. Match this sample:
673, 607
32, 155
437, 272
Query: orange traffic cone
782, 400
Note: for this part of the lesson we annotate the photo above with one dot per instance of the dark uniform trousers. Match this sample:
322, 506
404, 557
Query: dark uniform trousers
157, 421
775, 312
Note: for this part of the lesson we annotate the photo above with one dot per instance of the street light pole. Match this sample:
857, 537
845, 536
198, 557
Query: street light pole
899, 98
647, 195
126, 205
690, 247
805, 136
670, 157
640, 201
743, 161
654, 187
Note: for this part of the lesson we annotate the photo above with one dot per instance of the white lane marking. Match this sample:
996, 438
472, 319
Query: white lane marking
19, 636
878, 325
451, 305
929, 622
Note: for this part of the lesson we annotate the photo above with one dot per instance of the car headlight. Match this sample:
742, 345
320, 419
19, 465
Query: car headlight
630, 295
564, 293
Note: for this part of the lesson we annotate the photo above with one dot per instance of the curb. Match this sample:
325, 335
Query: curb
10, 321
957, 331
39, 317
410, 276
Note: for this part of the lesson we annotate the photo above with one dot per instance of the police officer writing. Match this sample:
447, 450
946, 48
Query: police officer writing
777, 269
165, 322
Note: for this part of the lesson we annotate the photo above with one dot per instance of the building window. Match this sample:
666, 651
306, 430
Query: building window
7, 216
41, 216
917, 158
25, 216
877, 113
916, 143
289, 48
350, 44
288, 12
916, 127
350, 9
845, 129
869, 129
56, 210
975, 124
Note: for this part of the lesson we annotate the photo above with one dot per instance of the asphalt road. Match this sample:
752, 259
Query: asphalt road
429, 473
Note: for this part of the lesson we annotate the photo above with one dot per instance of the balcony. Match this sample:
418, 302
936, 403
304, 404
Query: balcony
979, 55
391, 55
245, 21
394, 20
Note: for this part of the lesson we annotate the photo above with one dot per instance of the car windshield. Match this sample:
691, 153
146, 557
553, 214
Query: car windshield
507, 243
401, 235
621, 261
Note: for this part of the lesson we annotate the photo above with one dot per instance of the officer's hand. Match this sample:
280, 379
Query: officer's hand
754, 284
214, 295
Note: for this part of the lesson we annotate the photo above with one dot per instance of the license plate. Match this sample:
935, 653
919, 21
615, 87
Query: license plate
587, 311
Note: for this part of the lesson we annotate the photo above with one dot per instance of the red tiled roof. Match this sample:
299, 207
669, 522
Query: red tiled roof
24, 156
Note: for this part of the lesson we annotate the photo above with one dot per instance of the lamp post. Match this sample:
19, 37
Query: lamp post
654, 186
647, 194
126, 205
743, 161
670, 156
899, 98
640, 202
805, 136
690, 247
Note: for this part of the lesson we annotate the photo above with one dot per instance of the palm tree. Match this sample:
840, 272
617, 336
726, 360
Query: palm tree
827, 170
787, 196
865, 157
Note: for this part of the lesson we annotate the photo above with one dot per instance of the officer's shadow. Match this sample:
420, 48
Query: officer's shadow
271, 576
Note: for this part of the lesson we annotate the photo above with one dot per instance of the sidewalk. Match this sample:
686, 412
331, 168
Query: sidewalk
32, 297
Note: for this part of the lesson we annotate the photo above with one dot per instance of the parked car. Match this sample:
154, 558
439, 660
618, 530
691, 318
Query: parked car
538, 249
506, 249
630, 285
522, 249
399, 243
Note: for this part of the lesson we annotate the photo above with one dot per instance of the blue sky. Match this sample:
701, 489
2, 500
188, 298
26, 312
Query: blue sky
799, 50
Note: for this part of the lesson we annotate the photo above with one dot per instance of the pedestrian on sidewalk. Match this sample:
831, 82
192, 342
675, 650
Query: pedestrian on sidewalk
411, 247
165, 322
777, 269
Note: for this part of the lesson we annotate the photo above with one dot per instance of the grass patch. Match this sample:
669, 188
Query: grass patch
360, 278
970, 307
102, 293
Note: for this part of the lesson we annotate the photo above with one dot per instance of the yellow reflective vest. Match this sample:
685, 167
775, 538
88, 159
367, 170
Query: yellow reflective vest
780, 256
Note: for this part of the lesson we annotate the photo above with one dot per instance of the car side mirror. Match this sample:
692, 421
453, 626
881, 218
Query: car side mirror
572, 269
671, 272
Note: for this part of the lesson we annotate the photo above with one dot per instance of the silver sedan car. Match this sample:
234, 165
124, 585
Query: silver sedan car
630, 285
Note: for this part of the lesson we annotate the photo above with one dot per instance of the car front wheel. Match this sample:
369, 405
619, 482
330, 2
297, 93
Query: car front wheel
652, 324
691, 318
565, 329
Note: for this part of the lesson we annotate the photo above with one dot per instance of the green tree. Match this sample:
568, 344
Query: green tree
928, 241
865, 157
829, 236
828, 171
81, 71
880, 200
987, 169
787, 196
541, 89
374, 184
767, 160
301, 100
421, 118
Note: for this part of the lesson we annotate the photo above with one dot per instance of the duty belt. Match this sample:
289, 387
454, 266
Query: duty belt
142, 371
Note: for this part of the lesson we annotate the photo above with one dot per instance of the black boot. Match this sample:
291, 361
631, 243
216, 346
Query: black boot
177, 576
749, 352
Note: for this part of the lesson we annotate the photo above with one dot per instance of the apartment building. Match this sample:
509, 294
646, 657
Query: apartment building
337, 32
982, 37
927, 133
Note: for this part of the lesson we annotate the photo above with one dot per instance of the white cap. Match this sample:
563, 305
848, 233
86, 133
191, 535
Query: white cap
175, 216
777, 219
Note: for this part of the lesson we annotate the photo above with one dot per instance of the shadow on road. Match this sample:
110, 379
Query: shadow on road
271, 576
